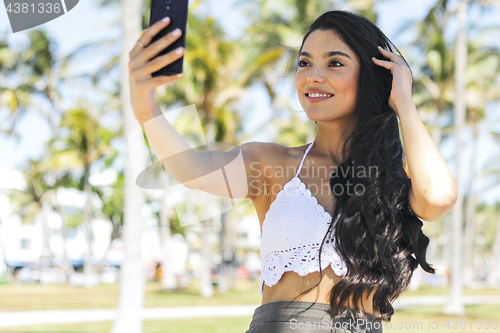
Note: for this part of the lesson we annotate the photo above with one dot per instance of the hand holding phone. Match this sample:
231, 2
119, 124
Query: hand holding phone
142, 82
177, 11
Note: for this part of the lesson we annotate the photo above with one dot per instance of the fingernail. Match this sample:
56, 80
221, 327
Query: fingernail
178, 51
165, 19
180, 75
176, 32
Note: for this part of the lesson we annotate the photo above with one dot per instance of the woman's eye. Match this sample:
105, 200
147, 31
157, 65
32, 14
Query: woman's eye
301, 63
336, 63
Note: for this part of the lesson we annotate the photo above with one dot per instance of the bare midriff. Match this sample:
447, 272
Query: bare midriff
292, 284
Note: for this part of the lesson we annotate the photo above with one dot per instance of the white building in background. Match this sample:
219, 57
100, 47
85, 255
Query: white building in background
249, 229
22, 244
9, 179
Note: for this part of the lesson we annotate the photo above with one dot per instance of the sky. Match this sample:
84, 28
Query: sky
86, 23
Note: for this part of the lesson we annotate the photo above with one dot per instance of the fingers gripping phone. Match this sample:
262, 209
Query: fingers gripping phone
177, 10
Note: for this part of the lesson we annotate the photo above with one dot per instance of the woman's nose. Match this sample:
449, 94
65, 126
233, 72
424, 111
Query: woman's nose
315, 75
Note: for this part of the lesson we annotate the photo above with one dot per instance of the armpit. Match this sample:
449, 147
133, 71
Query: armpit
405, 166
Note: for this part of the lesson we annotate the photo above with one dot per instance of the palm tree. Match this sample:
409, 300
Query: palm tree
132, 282
493, 171
112, 208
43, 182
474, 116
41, 74
11, 97
168, 280
33, 202
492, 279
85, 144
434, 86
123, 209
455, 306
481, 90
67, 265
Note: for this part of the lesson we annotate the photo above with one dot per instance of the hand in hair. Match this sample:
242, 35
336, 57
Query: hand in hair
402, 81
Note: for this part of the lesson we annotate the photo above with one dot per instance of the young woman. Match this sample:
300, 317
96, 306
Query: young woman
342, 276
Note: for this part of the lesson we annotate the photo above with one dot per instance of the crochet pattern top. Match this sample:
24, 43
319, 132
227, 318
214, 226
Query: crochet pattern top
292, 231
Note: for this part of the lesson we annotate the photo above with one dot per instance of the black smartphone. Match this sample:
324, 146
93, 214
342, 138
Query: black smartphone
177, 10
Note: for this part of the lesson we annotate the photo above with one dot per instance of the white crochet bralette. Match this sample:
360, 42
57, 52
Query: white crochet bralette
292, 231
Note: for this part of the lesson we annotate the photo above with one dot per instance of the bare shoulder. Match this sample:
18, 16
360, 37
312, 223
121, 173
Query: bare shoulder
259, 155
265, 150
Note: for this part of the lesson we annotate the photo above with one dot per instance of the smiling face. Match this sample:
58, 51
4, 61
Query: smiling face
327, 77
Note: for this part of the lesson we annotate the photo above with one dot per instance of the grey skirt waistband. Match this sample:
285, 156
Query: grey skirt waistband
310, 317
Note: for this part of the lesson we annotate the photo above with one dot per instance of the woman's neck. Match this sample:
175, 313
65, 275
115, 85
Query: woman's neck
331, 137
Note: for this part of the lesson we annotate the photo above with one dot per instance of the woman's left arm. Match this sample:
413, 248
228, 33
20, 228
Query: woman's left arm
433, 189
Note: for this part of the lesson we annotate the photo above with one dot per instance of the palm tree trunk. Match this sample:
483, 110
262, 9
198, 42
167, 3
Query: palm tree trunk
3, 266
102, 261
455, 305
67, 263
132, 281
89, 269
225, 250
233, 234
470, 214
168, 280
206, 287
491, 279
46, 252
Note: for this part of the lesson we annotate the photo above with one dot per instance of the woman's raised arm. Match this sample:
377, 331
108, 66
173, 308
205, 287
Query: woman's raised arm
232, 174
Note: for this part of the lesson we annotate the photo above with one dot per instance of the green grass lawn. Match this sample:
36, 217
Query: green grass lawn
426, 320
52, 297
187, 325
56, 297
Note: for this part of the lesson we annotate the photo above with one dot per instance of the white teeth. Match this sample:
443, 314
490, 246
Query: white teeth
319, 95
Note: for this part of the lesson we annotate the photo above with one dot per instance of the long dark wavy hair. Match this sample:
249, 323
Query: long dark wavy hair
377, 235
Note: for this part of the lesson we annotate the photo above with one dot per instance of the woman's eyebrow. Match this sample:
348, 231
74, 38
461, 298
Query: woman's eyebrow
326, 55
